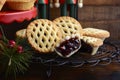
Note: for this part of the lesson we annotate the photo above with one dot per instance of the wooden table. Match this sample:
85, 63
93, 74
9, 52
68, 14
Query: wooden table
109, 72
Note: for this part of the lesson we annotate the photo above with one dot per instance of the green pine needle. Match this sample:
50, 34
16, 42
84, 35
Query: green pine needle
12, 61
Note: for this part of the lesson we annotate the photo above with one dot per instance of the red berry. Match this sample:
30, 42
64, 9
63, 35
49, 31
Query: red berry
12, 43
20, 49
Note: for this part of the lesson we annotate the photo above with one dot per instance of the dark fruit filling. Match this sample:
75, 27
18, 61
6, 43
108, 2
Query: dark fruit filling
85, 47
68, 46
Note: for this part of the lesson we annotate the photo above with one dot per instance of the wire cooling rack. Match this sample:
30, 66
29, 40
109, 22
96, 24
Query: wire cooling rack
108, 53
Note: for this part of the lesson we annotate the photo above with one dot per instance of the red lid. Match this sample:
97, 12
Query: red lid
7, 17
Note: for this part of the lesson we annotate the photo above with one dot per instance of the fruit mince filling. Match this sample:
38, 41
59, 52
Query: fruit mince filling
69, 46
85, 47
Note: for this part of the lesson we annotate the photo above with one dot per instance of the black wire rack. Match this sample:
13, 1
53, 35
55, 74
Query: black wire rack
108, 53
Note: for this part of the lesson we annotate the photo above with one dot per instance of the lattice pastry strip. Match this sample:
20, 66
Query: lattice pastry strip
43, 35
21, 33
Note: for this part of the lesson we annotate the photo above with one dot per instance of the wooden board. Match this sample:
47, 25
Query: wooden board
104, 17
101, 2
109, 72
93, 13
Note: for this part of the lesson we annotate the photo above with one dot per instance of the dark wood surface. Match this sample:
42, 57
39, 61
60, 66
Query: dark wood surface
101, 2
109, 72
38, 72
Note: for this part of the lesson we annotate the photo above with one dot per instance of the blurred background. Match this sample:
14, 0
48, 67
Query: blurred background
104, 14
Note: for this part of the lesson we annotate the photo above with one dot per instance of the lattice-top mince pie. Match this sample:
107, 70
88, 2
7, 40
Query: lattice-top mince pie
43, 35
68, 26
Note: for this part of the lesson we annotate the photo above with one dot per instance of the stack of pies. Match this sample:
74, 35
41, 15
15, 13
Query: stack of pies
17, 4
20, 4
2, 2
64, 35
94, 38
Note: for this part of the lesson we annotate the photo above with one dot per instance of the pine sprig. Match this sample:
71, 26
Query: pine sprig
13, 61
14, 57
